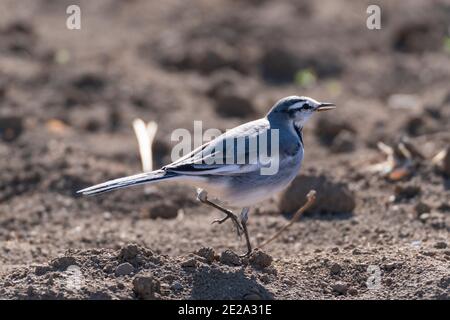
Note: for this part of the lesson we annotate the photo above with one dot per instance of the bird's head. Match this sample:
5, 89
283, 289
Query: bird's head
297, 109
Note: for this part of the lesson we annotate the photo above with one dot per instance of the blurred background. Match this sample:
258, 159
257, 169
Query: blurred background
68, 98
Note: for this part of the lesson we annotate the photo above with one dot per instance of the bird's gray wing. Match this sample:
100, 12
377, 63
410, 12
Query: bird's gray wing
213, 158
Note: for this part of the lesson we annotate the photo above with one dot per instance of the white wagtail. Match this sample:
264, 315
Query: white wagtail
238, 183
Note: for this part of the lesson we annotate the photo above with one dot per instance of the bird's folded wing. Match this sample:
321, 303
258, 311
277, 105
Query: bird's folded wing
213, 158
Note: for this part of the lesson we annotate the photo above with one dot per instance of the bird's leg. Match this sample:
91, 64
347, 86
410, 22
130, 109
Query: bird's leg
244, 219
202, 196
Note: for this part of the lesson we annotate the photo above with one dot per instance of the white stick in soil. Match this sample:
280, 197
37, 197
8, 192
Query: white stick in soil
145, 135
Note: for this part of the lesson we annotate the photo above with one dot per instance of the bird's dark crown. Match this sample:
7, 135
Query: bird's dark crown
285, 104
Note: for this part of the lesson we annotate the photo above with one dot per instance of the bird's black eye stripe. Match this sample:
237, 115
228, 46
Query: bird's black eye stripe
306, 106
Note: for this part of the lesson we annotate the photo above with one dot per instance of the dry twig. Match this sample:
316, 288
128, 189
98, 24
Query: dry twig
311, 198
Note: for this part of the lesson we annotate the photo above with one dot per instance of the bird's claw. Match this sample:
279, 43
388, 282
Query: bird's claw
233, 219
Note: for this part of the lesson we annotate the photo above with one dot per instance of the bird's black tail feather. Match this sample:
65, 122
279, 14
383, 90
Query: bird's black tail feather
142, 178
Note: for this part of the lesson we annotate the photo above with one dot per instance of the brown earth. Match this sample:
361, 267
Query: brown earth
67, 100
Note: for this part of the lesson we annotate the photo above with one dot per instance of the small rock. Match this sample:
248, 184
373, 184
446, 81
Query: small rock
435, 219
356, 251
230, 258
424, 217
134, 254
406, 191
124, 269
260, 259
146, 287
189, 263
340, 287
62, 263
128, 252
444, 282
440, 245
331, 196
108, 268
352, 291
390, 266
335, 268
388, 282
207, 253
422, 207
265, 278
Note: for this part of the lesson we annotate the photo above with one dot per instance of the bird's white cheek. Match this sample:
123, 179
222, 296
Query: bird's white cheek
302, 119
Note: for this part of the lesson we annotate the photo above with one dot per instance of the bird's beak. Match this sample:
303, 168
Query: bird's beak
324, 106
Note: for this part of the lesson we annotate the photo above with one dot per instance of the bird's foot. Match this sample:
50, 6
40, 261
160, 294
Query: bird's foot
202, 196
234, 219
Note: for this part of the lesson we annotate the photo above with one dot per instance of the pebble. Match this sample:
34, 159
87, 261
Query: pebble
230, 258
62, 263
440, 245
352, 292
421, 208
146, 287
124, 269
407, 191
390, 266
189, 263
331, 196
260, 259
340, 287
335, 268
207, 253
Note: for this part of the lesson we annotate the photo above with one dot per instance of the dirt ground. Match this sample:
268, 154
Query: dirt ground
68, 97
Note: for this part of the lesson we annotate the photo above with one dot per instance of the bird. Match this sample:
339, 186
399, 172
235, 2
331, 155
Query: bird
239, 184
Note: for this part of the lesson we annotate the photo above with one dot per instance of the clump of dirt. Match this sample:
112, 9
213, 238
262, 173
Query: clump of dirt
331, 196
87, 274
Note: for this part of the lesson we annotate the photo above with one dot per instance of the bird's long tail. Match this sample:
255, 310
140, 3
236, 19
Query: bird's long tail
142, 178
